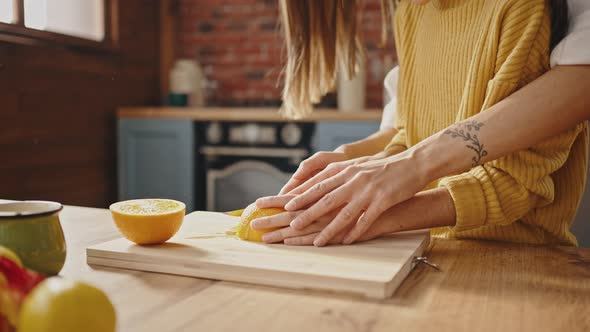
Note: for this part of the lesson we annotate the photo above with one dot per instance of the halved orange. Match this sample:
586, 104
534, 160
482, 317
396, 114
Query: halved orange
148, 221
245, 232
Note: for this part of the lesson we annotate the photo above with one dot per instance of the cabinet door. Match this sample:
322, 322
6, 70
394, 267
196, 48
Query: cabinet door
332, 134
156, 159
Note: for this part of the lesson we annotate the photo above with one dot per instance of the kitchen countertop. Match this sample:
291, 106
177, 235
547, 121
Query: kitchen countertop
241, 114
484, 286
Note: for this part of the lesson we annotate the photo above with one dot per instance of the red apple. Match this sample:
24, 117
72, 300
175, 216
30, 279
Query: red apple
4, 326
15, 283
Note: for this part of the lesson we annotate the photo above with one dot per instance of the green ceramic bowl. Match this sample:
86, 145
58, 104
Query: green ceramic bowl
33, 231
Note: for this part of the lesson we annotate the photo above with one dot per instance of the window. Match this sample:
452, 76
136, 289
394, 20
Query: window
86, 22
84, 19
7, 11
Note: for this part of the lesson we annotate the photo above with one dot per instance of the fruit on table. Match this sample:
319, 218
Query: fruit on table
148, 221
16, 282
235, 213
5, 252
4, 325
63, 305
245, 232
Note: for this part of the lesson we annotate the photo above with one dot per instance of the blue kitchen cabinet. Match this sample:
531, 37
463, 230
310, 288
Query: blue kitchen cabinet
156, 159
332, 134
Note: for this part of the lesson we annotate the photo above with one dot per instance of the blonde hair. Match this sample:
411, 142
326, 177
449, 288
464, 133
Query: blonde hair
320, 37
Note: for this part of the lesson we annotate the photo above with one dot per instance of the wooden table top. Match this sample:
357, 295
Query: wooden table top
484, 286
241, 114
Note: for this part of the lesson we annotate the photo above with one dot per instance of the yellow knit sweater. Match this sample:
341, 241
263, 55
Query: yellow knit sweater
458, 58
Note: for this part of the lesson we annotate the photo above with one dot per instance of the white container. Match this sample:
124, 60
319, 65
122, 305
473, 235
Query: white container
351, 93
187, 78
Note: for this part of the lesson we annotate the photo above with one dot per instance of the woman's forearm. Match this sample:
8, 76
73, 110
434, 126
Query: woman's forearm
550, 105
427, 209
368, 146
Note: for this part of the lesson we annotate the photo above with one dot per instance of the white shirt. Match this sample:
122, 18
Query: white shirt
574, 49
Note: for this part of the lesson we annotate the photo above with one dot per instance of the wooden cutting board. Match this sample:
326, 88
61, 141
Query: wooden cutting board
201, 249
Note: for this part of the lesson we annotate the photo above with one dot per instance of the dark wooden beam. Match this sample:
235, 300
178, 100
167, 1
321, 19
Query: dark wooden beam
169, 14
20, 12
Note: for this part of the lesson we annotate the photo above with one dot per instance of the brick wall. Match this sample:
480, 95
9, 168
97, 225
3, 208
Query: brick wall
239, 46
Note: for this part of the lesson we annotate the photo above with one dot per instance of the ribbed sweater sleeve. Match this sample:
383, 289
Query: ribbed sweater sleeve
401, 114
503, 191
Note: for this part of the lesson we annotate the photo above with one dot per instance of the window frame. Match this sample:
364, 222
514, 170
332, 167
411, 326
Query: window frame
17, 32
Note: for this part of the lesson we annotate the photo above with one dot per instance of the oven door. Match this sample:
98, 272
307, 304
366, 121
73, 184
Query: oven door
241, 183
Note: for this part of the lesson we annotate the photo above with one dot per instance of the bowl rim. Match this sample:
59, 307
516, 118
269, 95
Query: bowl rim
51, 208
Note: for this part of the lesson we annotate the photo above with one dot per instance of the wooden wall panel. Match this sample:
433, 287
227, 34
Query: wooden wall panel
57, 110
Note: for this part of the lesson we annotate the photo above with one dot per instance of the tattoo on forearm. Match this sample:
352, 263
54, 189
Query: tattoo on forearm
467, 131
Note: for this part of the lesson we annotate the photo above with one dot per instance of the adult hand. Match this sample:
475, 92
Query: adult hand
287, 234
312, 166
300, 181
361, 192
427, 209
300, 237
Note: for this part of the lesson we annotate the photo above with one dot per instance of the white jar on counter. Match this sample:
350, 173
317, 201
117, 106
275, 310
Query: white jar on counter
351, 93
187, 78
